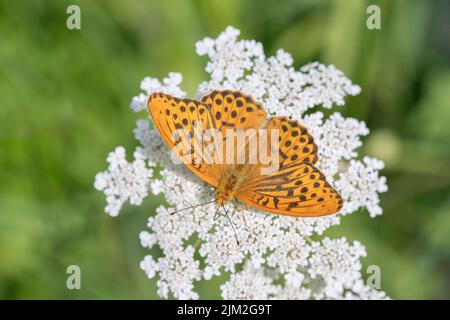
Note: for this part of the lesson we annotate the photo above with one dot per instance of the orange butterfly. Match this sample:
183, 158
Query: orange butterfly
298, 188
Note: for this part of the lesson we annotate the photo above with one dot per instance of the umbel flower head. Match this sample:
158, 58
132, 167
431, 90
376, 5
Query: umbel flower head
276, 257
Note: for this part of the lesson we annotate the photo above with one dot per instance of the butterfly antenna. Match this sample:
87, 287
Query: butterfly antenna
232, 225
191, 207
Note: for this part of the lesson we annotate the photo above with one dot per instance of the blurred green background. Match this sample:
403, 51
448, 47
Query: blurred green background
64, 106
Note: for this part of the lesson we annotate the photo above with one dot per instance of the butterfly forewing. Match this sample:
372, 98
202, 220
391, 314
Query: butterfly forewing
234, 110
296, 144
177, 120
234, 113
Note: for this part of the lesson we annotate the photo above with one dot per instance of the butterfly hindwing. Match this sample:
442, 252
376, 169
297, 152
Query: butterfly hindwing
298, 188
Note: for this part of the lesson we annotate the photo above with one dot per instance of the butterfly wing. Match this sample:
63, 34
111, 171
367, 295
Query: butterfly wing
219, 110
175, 120
298, 188
295, 143
234, 110
233, 114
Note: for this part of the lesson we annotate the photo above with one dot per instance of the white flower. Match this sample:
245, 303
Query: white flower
337, 139
360, 186
250, 283
123, 181
336, 263
242, 65
277, 257
169, 85
177, 272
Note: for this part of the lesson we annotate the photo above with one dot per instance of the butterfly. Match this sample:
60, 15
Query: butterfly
297, 188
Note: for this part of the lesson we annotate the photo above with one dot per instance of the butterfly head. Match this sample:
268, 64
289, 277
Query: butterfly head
221, 199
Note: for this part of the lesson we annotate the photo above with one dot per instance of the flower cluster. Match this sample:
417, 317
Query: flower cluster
277, 256
123, 181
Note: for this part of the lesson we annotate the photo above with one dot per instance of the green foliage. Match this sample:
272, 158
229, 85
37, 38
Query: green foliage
65, 96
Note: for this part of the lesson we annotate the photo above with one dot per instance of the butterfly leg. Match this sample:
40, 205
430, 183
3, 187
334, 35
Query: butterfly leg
231, 223
245, 221
238, 207
217, 214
